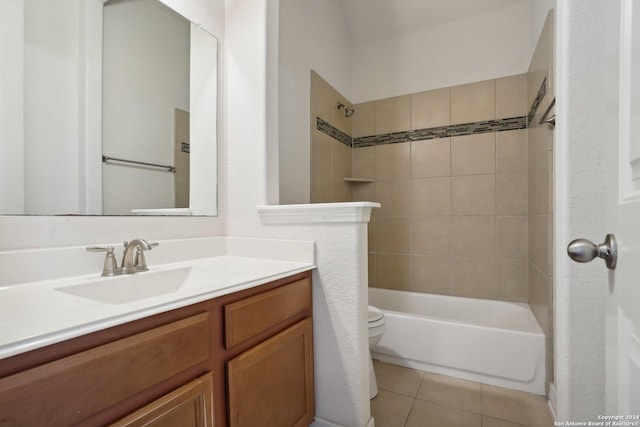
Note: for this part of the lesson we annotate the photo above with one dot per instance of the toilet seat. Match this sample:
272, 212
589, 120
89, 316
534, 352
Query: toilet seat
375, 314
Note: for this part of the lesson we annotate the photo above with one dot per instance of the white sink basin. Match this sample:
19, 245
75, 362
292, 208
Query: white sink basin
132, 287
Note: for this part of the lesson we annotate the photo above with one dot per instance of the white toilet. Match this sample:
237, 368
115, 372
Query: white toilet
376, 329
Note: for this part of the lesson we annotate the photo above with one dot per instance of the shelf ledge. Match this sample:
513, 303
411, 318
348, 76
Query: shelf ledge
359, 180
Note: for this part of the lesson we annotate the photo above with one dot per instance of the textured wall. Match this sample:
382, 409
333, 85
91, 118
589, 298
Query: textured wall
540, 189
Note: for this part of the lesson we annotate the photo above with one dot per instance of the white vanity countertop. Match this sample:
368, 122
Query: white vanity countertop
37, 314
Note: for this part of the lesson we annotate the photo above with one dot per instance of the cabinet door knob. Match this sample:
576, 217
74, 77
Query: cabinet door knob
583, 250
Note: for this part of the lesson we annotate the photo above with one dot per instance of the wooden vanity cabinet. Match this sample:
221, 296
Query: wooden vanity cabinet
271, 383
226, 361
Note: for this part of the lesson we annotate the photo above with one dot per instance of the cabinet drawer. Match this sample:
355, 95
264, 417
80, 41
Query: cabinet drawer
251, 316
71, 389
189, 406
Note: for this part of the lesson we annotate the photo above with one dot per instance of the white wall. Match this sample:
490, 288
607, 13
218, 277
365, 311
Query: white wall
145, 77
11, 107
482, 47
313, 35
21, 232
539, 9
51, 96
203, 121
583, 138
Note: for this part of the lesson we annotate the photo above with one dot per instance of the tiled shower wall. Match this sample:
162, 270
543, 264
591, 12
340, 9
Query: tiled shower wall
540, 188
467, 215
454, 209
330, 158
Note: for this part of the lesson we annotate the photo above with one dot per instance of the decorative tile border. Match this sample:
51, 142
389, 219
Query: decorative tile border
486, 126
536, 102
333, 132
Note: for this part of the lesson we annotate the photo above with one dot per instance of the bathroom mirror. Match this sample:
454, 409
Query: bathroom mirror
106, 108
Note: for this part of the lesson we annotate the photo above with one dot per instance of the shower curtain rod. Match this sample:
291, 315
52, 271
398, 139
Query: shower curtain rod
550, 120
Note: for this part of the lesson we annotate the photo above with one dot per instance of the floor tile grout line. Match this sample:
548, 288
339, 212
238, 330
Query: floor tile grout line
406, 418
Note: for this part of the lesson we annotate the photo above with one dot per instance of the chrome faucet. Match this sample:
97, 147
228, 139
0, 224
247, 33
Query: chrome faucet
133, 259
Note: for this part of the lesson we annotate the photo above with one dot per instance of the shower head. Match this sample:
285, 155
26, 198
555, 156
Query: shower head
348, 112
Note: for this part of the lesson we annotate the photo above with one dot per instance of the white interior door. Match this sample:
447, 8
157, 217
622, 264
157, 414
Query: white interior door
623, 298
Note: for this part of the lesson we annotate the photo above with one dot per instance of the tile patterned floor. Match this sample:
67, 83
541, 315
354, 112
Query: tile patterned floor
412, 398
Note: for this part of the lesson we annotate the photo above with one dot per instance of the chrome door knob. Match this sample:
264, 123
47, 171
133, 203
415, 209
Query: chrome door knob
583, 250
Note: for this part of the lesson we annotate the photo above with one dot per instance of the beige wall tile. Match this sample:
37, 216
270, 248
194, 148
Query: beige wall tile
473, 102
393, 161
431, 196
342, 162
544, 138
511, 151
322, 99
392, 114
431, 158
431, 274
425, 413
321, 153
393, 271
371, 258
431, 235
474, 277
473, 154
532, 138
543, 243
549, 251
363, 120
511, 96
544, 186
341, 191
473, 236
364, 162
532, 235
394, 197
531, 190
532, 277
512, 237
338, 119
461, 394
512, 278
431, 108
371, 234
511, 193
392, 235
538, 300
364, 192
321, 188
473, 195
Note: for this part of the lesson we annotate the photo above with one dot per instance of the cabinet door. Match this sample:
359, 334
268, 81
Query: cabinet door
189, 406
272, 383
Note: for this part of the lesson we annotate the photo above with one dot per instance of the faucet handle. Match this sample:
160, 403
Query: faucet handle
139, 261
100, 249
110, 263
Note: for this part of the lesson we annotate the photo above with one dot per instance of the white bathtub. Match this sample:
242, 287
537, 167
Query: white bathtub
492, 342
